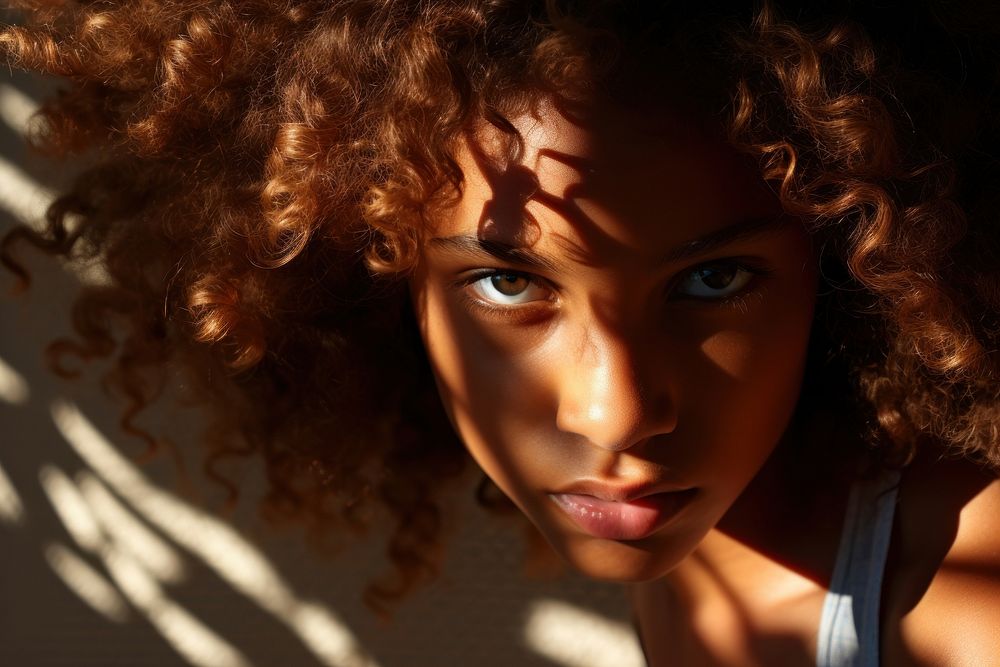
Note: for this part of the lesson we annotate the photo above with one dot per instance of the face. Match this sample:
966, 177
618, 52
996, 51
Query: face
618, 327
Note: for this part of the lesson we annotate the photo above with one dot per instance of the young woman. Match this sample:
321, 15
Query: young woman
711, 295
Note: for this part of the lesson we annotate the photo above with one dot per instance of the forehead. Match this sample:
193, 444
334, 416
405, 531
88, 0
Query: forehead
614, 183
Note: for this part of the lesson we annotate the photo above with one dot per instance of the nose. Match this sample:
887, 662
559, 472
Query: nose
613, 394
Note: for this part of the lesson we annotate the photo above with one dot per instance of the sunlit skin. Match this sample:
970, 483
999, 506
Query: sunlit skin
649, 330
627, 308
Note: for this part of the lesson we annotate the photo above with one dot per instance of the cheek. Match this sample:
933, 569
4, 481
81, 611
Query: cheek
748, 383
492, 386
743, 383
764, 350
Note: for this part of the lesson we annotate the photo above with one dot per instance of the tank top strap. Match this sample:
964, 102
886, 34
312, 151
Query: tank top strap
849, 625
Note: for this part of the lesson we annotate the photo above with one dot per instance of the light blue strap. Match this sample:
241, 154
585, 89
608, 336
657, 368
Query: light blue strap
849, 625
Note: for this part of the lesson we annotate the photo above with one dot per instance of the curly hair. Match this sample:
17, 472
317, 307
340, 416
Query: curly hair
262, 174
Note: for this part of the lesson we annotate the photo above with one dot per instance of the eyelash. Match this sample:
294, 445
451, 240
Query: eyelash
739, 300
519, 313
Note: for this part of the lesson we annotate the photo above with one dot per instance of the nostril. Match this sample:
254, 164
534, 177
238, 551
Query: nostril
623, 445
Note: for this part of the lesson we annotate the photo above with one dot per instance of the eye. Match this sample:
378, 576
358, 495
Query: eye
506, 288
717, 280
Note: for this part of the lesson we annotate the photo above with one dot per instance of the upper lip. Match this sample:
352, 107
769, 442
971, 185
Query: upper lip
620, 492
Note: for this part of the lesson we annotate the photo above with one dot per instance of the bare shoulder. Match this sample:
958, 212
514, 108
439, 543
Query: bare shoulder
943, 603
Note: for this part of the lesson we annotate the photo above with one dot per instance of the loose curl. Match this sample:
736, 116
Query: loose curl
910, 217
264, 172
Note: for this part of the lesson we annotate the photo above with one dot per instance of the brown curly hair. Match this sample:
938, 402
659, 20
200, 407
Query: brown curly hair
262, 173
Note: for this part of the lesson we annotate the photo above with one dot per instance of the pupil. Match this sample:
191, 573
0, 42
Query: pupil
509, 284
718, 277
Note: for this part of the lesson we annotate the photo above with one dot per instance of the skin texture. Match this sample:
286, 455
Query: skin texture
619, 364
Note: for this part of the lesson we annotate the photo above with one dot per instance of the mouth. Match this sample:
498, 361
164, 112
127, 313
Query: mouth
626, 520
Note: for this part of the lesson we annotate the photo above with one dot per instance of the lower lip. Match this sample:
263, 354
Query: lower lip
632, 520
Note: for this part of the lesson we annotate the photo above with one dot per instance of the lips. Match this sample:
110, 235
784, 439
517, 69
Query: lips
631, 519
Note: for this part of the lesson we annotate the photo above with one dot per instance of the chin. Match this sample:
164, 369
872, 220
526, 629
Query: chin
619, 561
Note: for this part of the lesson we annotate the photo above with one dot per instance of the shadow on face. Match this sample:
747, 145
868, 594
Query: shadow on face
617, 316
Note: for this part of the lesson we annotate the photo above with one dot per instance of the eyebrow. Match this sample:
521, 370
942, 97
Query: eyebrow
744, 230
751, 228
505, 252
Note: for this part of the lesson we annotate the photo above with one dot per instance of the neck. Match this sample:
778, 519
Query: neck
790, 514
